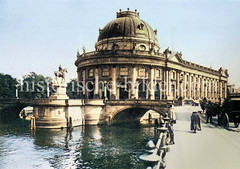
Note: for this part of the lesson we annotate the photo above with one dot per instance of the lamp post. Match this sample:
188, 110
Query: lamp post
20, 83
47, 90
17, 91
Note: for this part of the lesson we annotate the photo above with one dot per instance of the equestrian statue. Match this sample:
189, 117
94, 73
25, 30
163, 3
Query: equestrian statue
60, 74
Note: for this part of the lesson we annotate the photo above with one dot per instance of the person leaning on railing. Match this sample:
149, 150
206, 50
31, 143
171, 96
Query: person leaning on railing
172, 117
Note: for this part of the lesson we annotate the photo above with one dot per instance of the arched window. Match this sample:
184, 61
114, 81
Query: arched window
90, 90
123, 91
158, 73
142, 90
157, 91
90, 73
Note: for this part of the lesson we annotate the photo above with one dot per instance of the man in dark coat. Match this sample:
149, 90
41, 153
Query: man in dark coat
195, 122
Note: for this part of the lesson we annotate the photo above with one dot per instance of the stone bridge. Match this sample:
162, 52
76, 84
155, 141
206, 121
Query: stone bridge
108, 112
10, 108
56, 113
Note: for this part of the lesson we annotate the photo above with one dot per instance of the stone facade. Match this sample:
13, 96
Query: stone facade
127, 64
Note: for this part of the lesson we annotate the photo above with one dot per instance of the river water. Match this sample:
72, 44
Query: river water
92, 147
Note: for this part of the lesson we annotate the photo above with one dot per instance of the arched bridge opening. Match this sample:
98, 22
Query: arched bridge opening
135, 114
10, 109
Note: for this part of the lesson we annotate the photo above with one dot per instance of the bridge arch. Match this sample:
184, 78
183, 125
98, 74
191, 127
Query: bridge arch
10, 110
132, 114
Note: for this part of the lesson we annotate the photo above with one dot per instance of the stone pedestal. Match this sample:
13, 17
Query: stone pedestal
60, 92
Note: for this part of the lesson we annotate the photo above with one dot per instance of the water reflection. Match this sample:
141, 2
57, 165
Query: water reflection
83, 147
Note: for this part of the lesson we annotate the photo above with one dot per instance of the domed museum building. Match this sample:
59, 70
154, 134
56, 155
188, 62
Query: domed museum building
128, 64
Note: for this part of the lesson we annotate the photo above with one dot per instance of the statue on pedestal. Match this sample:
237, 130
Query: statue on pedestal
59, 84
60, 75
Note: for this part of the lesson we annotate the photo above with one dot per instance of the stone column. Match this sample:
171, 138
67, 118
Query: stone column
152, 84
96, 87
189, 86
160, 91
114, 82
194, 87
177, 86
169, 84
147, 91
220, 89
198, 88
105, 91
79, 80
84, 83
210, 89
166, 84
181, 85
201, 87
204, 88
212, 93
136, 90
163, 84
134, 87
184, 86
206, 91
117, 95
214, 89
175, 90
225, 90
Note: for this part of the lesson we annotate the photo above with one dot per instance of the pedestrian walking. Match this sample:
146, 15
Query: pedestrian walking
195, 122
199, 120
170, 129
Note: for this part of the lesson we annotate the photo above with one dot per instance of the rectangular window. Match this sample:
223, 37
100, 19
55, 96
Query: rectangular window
142, 72
123, 71
105, 72
174, 75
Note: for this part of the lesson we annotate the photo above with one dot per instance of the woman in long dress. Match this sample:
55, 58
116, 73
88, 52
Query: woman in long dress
195, 122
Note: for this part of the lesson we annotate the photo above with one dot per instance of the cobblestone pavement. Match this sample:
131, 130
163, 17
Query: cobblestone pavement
213, 147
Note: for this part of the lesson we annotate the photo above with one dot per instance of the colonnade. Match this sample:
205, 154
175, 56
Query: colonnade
173, 84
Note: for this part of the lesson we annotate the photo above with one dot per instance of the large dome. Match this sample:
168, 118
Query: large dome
127, 24
127, 32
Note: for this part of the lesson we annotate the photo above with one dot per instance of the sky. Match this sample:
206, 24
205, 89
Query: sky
39, 35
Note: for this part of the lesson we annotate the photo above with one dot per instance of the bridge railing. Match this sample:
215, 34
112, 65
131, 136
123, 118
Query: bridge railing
155, 156
144, 102
16, 100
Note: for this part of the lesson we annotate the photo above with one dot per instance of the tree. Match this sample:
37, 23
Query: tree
72, 89
7, 86
34, 86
